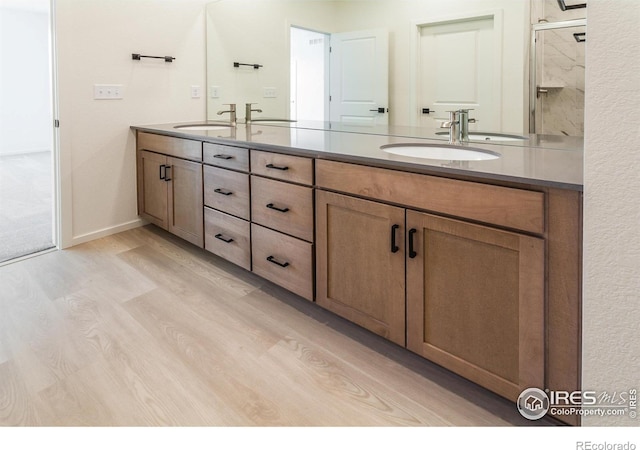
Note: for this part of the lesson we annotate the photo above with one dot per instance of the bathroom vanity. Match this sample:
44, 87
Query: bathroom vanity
474, 265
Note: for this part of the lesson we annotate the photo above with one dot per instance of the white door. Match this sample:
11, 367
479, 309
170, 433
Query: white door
460, 68
360, 77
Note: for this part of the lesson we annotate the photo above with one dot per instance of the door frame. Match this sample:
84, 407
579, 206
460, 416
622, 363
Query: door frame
414, 54
533, 82
62, 191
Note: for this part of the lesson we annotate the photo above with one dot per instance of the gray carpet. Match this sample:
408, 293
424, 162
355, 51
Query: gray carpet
26, 204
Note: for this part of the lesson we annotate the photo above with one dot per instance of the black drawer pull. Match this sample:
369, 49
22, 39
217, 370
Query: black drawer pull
163, 172
272, 206
223, 156
412, 252
394, 246
271, 259
222, 191
166, 177
222, 238
271, 166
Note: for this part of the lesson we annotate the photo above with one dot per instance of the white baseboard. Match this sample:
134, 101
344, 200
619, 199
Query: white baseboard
81, 239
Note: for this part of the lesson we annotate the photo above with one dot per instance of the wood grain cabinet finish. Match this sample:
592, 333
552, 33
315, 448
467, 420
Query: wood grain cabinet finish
518, 209
295, 169
226, 156
228, 237
475, 301
282, 206
227, 191
152, 188
360, 269
171, 146
284, 260
170, 195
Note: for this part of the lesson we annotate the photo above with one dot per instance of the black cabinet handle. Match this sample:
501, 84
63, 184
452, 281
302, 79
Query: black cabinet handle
222, 238
412, 252
222, 191
271, 166
271, 259
223, 156
394, 247
163, 172
166, 177
282, 210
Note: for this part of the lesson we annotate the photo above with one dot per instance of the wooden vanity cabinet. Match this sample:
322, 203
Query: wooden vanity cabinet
170, 187
360, 262
282, 234
474, 294
227, 201
475, 301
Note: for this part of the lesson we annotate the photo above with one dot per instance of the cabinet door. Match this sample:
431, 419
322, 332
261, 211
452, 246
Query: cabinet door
475, 301
152, 188
186, 200
359, 275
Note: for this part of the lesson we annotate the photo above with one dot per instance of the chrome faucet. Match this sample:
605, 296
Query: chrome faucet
463, 115
458, 125
232, 113
248, 111
453, 124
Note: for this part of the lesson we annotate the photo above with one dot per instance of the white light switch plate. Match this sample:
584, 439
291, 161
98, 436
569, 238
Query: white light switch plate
214, 91
269, 92
196, 92
108, 91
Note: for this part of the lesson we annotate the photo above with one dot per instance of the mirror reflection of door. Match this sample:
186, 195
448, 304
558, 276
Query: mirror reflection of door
360, 77
351, 70
559, 81
309, 85
460, 68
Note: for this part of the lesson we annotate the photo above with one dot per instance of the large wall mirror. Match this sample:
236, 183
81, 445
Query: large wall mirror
398, 63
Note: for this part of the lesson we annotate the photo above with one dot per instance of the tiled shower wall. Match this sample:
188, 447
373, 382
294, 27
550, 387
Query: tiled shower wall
560, 69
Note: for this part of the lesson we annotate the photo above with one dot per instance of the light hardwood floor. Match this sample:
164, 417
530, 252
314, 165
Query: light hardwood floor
141, 328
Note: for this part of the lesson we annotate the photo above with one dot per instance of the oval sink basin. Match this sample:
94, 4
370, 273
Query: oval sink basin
203, 126
441, 152
484, 137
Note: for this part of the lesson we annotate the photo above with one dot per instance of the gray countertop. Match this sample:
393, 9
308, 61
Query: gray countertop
551, 161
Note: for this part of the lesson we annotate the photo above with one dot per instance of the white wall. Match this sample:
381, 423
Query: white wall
257, 32
25, 89
95, 40
611, 308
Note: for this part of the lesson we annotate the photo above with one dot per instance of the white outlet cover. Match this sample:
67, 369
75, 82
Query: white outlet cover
108, 91
214, 91
195, 92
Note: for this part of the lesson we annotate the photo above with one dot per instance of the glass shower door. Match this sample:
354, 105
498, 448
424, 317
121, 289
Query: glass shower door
558, 78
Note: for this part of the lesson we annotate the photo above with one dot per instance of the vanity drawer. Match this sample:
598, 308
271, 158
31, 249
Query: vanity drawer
282, 206
226, 156
180, 148
227, 191
509, 207
284, 260
227, 237
283, 167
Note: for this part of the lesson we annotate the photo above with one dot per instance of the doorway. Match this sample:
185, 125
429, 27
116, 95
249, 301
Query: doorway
27, 181
340, 77
309, 75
